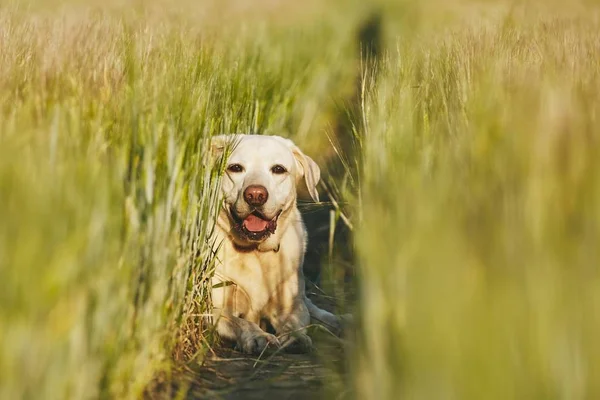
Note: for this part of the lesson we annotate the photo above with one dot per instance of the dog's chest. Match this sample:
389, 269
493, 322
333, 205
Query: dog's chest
259, 271
261, 276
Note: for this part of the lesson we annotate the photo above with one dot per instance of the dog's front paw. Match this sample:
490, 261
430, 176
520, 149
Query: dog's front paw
256, 342
298, 343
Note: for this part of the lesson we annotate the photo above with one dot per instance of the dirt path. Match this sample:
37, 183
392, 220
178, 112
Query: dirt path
232, 375
228, 374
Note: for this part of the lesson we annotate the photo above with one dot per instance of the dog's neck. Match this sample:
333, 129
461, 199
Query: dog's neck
254, 247
272, 243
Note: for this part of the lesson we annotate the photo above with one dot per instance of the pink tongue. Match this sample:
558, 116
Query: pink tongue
255, 224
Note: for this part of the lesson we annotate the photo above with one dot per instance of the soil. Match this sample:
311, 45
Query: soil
228, 374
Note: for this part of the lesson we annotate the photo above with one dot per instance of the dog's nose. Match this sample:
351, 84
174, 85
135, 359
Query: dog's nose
256, 195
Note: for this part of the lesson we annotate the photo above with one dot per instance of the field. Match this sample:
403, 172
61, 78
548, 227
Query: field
475, 206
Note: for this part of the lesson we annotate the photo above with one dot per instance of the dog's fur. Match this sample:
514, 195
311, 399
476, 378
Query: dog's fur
258, 276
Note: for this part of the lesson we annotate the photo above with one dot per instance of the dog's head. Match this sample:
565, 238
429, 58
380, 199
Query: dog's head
262, 177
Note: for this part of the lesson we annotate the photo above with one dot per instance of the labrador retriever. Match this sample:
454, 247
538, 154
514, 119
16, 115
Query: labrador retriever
261, 243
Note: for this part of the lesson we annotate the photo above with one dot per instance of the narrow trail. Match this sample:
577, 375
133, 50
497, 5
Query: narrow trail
228, 374
231, 375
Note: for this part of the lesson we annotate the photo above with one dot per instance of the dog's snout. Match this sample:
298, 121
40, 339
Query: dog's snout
256, 195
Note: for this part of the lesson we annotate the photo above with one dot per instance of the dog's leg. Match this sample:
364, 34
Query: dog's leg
331, 321
250, 339
291, 329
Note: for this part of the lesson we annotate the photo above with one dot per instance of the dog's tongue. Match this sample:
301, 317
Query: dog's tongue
255, 224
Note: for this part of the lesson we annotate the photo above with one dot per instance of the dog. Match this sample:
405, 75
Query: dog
260, 244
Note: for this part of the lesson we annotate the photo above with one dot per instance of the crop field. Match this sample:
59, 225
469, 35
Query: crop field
472, 192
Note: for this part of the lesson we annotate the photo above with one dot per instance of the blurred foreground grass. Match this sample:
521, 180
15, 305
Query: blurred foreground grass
478, 209
106, 198
481, 212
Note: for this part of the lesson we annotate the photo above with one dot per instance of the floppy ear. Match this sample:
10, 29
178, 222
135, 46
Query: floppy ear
220, 144
309, 170
217, 145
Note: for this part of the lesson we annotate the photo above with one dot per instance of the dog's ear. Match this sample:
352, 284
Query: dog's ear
309, 170
217, 145
222, 144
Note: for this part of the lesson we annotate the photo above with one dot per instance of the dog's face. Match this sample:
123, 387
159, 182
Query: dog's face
260, 182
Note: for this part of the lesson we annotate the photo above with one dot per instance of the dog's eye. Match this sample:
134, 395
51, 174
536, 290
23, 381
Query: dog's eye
235, 168
278, 169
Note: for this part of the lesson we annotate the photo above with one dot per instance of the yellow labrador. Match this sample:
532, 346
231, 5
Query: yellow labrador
262, 241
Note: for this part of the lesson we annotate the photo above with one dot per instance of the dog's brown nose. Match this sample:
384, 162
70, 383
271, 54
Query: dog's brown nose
256, 195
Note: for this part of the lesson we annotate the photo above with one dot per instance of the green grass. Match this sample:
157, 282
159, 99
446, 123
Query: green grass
481, 171
105, 187
476, 223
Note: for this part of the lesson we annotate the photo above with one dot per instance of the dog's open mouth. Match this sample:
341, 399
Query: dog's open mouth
255, 226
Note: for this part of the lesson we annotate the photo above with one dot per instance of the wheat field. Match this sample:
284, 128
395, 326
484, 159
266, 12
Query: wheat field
476, 212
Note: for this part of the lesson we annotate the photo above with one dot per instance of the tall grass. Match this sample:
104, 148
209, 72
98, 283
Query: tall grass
107, 196
480, 214
476, 220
